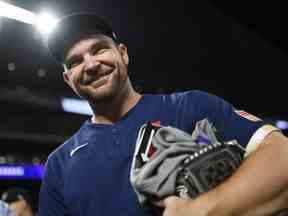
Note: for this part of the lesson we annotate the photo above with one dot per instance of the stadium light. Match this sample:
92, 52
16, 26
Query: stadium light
77, 106
282, 124
13, 12
43, 22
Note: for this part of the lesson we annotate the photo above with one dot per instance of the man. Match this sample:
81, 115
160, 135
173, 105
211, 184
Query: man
89, 173
19, 200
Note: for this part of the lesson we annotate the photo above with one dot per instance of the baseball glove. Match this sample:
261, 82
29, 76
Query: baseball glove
168, 161
206, 168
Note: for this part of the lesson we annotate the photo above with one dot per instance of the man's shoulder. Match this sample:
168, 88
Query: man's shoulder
63, 151
186, 95
189, 93
64, 147
178, 94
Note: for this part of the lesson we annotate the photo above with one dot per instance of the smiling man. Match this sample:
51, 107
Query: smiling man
97, 68
89, 174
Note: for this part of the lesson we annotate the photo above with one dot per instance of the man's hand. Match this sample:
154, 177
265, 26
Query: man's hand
174, 206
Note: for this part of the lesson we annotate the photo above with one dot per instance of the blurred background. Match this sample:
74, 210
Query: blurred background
236, 50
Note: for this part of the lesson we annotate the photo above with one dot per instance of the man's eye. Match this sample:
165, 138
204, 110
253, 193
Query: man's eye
73, 64
98, 51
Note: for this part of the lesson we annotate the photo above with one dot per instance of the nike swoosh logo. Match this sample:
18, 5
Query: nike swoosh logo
77, 148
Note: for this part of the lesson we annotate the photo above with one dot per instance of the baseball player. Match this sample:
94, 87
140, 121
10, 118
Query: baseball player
89, 173
19, 200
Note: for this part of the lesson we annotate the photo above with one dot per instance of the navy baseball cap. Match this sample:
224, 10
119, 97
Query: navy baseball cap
70, 28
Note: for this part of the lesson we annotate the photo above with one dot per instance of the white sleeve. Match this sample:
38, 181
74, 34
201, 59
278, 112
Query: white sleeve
258, 137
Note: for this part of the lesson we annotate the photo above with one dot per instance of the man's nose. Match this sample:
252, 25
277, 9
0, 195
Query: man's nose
91, 64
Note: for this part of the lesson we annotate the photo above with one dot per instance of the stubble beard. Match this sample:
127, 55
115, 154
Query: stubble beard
106, 93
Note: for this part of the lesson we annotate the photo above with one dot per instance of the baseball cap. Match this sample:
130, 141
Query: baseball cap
16, 194
72, 27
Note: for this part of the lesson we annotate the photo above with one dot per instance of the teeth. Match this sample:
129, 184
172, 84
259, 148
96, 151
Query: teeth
104, 74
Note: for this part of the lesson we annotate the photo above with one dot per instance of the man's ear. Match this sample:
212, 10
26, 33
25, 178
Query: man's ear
65, 74
66, 77
124, 53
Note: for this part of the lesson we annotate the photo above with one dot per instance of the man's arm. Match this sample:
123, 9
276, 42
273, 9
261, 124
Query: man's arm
259, 187
51, 202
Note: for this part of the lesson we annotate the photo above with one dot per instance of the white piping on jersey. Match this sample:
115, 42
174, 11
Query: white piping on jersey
77, 148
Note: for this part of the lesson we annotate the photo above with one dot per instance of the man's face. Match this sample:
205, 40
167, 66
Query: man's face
96, 68
18, 206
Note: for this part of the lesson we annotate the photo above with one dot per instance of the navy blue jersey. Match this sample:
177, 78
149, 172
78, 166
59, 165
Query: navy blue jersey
89, 174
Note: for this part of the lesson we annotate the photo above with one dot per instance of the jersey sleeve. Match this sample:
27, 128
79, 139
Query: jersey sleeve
230, 122
51, 202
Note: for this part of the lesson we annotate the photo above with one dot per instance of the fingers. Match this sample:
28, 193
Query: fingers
169, 200
158, 203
